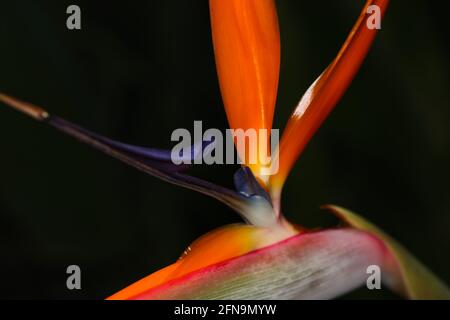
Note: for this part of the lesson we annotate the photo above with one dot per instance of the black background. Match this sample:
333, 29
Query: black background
140, 69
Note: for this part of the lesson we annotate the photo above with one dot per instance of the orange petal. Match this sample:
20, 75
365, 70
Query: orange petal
247, 50
323, 95
219, 245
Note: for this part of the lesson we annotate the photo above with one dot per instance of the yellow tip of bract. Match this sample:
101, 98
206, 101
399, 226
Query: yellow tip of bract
247, 51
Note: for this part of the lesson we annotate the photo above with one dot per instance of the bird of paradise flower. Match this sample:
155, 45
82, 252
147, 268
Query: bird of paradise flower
267, 257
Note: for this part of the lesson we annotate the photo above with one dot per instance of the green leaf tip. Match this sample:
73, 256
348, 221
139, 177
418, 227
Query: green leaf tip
411, 278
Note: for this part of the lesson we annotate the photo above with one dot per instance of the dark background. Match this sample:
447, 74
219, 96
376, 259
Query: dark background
140, 69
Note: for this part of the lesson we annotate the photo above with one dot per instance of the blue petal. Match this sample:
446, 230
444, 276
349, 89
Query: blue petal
154, 162
250, 201
162, 155
247, 185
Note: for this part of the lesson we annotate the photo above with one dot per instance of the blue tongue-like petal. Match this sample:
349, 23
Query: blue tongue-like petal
247, 185
250, 201
162, 155
261, 211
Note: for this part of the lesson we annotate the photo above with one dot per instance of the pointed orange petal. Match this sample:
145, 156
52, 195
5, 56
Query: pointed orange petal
214, 247
324, 94
247, 51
